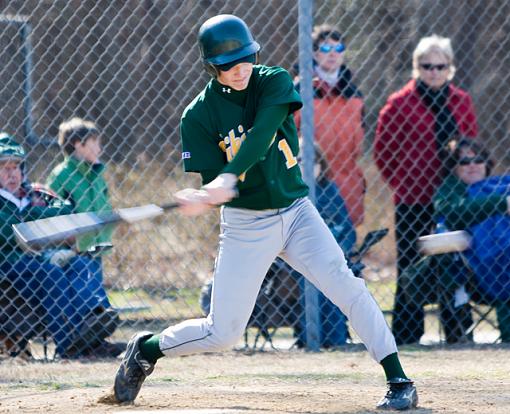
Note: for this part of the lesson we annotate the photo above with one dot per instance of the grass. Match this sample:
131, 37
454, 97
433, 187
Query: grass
383, 292
140, 304
379, 213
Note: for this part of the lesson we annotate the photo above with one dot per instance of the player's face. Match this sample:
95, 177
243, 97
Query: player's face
330, 55
471, 168
11, 176
90, 150
236, 77
434, 69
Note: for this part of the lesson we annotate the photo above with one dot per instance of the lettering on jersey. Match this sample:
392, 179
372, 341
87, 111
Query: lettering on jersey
186, 155
290, 159
231, 143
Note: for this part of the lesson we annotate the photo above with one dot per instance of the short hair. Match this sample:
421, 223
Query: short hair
324, 32
463, 143
431, 44
75, 130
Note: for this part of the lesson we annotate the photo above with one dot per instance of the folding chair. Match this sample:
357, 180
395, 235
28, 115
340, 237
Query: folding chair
479, 307
452, 249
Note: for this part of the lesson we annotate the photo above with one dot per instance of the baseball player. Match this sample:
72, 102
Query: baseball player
239, 134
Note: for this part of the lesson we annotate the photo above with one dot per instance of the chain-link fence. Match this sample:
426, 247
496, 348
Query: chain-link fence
131, 67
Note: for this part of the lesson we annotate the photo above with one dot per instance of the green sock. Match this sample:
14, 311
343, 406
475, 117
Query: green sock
392, 367
150, 349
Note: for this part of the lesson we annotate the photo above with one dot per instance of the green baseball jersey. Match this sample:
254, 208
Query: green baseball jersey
219, 120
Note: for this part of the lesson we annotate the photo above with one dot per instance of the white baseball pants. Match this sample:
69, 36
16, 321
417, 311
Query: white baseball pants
250, 240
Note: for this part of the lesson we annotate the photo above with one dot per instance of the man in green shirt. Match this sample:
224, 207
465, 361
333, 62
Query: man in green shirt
239, 135
63, 295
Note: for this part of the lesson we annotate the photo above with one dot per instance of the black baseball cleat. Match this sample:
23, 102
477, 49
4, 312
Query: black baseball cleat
401, 395
133, 370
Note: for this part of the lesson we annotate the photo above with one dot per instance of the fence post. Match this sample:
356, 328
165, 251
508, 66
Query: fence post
305, 22
26, 48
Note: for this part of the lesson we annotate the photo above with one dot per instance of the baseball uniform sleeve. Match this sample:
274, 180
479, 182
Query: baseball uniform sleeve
200, 150
451, 201
276, 88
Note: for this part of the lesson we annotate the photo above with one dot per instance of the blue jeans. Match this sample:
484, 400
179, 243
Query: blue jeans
86, 278
65, 296
333, 328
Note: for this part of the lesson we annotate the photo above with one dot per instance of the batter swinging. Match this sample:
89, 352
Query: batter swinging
239, 134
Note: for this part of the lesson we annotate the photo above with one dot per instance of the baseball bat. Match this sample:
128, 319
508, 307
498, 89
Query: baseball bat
447, 242
41, 234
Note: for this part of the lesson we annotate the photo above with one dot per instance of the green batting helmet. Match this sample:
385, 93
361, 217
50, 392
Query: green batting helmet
10, 149
225, 39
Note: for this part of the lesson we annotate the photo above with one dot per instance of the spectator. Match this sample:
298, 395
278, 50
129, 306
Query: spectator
412, 132
333, 323
330, 204
80, 180
444, 278
467, 200
338, 117
65, 294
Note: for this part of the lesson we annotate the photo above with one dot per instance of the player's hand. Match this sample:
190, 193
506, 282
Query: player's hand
222, 189
193, 202
62, 257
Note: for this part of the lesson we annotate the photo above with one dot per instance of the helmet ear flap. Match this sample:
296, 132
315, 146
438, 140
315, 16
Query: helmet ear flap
211, 69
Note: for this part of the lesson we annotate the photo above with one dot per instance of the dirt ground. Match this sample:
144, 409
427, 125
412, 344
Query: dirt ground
449, 380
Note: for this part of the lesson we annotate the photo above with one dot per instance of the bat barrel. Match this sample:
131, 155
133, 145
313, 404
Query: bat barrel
441, 243
49, 232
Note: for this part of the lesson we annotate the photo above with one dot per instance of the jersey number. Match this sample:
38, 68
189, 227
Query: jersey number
290, 160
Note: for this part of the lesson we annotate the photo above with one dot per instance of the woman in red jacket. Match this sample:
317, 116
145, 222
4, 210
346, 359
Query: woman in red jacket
413, 130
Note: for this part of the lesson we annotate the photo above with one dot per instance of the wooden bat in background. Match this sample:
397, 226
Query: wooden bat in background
447, 242
45, 233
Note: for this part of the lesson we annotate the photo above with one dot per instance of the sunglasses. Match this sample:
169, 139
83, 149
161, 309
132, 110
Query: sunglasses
430, 66
477, 159
325, 48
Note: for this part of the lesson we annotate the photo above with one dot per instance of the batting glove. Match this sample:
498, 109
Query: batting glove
222, 189
193, 202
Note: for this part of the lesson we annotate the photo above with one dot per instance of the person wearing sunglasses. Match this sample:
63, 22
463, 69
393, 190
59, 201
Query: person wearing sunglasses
413, 130
472, 200
338, 117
